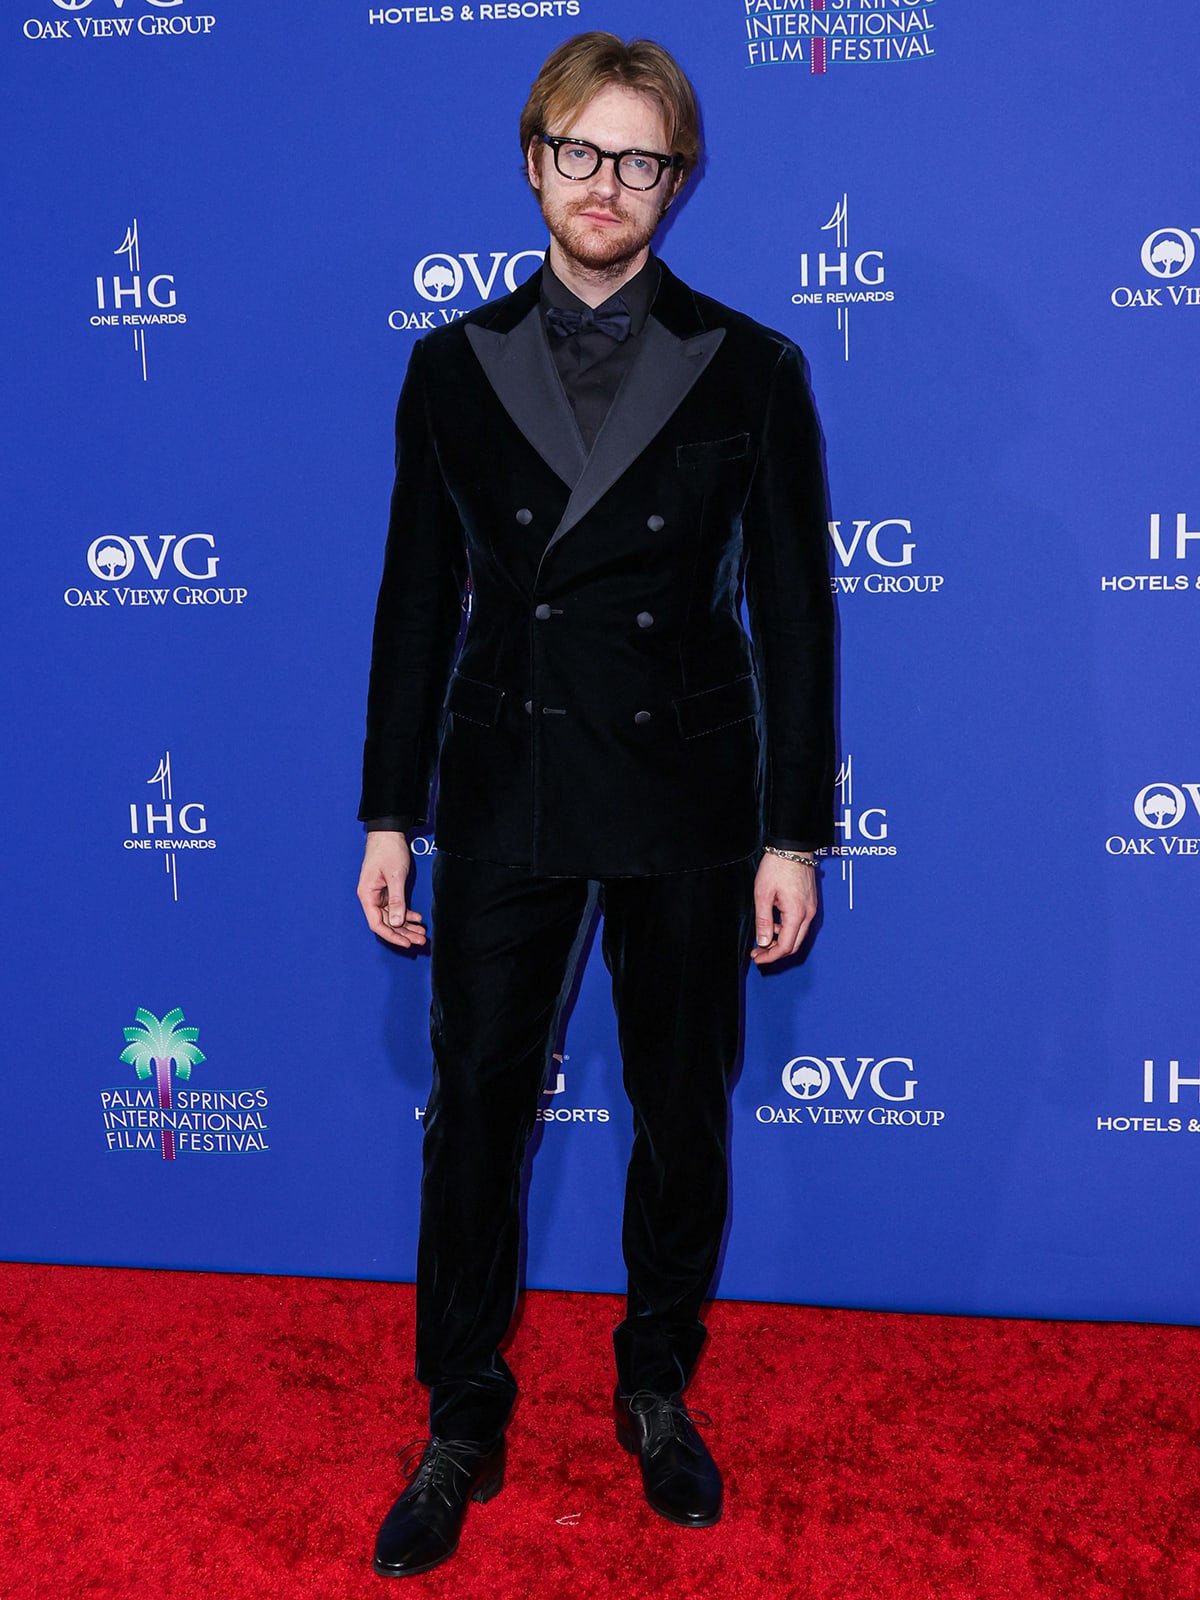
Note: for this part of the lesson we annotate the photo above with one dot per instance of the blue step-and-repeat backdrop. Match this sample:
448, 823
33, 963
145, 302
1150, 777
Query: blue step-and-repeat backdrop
229, 220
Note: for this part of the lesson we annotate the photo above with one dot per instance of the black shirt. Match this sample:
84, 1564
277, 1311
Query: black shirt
591, 364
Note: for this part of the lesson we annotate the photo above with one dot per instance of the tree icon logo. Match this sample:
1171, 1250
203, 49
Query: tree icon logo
112, 562
806, 1078
156, 1045
438, 282
1160, 805
1168, 252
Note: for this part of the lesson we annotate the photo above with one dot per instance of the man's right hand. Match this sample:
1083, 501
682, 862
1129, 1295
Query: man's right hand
382, 887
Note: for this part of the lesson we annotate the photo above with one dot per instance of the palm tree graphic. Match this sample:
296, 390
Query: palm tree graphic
157, 1044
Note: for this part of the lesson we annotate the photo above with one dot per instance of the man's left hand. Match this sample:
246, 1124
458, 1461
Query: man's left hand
785, 903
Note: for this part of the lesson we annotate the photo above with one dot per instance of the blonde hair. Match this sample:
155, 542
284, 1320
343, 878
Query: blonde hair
574, 73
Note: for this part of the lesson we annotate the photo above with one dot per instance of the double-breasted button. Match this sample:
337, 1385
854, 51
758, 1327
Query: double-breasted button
529, 708
641, 717
645, 620
655, 523
524, 516
543, 612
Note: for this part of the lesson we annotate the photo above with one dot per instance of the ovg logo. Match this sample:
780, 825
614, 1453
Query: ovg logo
1161, 808
440, 278
1169, 252
154, 1115
890, 1081
810, 1077
1166, 255
885, 542
99, 24
116, 559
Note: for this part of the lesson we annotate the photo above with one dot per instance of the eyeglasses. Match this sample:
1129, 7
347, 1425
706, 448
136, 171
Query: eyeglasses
578, 159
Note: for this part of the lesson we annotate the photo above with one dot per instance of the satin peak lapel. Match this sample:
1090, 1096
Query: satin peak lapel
663, 373
519, 367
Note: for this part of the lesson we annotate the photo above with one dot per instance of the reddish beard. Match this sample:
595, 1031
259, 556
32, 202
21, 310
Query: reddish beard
597, 250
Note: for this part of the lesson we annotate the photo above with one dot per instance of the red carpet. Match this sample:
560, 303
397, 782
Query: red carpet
173, 1433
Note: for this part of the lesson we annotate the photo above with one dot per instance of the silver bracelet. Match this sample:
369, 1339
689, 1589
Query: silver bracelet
791, 855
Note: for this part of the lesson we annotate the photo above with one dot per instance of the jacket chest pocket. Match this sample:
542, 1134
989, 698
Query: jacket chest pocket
712, 452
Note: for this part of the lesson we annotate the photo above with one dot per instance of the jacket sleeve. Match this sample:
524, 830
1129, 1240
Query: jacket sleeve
417, 619
790, 603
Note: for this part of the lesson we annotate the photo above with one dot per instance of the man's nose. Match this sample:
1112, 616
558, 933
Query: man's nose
605, 182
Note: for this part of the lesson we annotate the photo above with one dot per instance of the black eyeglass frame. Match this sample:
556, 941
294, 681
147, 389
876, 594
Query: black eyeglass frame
557, 140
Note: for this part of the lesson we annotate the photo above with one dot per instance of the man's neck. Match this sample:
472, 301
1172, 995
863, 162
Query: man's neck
594, 285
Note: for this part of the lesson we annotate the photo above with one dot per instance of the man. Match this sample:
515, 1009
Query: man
607, 457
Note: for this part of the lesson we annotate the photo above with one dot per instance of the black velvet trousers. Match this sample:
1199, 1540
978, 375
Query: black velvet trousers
504, 942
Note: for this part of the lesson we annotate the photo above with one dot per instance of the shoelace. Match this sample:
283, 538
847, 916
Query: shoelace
432, 1463
669, 1416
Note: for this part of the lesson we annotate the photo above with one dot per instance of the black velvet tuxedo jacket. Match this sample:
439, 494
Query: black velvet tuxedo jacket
607, 714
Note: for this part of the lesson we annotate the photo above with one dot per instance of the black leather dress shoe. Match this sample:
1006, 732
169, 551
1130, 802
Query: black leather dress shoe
422, 1528
681, 1479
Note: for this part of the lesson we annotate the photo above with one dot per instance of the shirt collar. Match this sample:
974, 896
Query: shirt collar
637, 293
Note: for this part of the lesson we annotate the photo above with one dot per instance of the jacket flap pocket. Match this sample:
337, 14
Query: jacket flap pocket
699, 455
717, 708
477, 702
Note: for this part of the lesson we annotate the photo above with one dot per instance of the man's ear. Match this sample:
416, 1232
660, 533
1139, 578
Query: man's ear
532, 158
676, 186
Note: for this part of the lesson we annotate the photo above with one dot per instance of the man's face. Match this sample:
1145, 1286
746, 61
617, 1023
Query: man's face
599, 224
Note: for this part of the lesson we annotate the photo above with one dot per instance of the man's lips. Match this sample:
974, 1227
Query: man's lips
605, 218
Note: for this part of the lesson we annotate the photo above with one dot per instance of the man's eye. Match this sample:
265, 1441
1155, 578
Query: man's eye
578, 153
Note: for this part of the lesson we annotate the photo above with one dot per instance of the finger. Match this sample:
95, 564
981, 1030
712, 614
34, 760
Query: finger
764, 917
409, 936
764, 958
795, 916
394, 899
374, 897
798, 918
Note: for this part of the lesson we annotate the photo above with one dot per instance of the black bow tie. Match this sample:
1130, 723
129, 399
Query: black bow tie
613, 319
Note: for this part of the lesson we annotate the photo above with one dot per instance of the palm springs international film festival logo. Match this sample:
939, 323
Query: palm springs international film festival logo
864, 830
147, 20
135, 301
874, 1091
1162, 810
841, 277
165, 827
1167, 256
818, 34
177, 1121
439, 279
